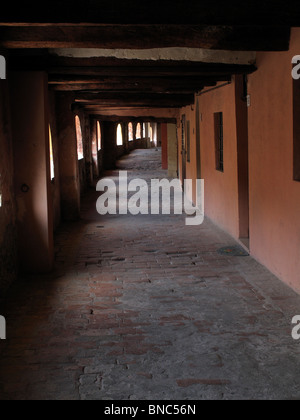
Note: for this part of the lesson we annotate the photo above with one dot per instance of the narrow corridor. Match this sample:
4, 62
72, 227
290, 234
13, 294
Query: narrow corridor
146, 308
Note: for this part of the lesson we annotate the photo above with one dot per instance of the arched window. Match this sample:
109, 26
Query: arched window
79, 138
99, 143
130, 132
119, 135
52, 174
139, 131
154, 134
151, 133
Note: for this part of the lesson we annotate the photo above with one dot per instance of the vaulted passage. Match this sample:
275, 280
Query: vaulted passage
146, 308
148, 302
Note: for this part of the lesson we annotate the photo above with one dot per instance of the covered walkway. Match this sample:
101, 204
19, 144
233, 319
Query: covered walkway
146, 308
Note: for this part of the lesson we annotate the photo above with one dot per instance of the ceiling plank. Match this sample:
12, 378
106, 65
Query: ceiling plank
92, 97
130, 118
132, 81
99, 89
138, 104
217, 12
160, 70
102, 66
180, 85
234, 38
138, 112
145, 100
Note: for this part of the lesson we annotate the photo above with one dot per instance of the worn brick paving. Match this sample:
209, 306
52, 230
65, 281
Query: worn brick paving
145, 308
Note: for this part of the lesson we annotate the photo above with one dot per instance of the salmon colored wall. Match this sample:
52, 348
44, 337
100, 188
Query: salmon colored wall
242, 158
274, 196
221, 189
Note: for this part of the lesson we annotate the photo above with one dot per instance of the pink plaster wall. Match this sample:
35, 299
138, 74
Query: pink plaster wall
221, 188
274, 195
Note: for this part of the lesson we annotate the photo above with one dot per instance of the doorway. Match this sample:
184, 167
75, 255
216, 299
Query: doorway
243, 158
198, 144
183, 149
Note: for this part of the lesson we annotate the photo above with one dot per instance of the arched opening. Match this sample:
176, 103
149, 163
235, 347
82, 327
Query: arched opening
130, 132
119, 135
139, 131
151, 133
79, 138
52, 172
154, 134
99, 139
95, 148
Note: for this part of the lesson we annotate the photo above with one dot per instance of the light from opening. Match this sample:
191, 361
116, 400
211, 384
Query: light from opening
99, 136
79, 138
119, 135
130, 132
138, 131
52, 172
151, 133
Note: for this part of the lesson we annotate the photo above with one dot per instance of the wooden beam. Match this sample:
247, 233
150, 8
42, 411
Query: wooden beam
217, 12
159, 70
163, 103
92, 97
235, 38
159, 101
138, 112
142, 90
167, 85
130, 118
109, 67
144, 104
131, 82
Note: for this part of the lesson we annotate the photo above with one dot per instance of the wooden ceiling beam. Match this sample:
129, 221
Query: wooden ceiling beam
94, 97
99, 89
128, 82
97, 68
217, 12
160, 70
138, 104
160, 101
234, 38
129, 118
137, 112
170, 85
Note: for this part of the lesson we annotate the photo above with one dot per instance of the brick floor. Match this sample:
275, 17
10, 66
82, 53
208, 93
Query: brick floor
145, 308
